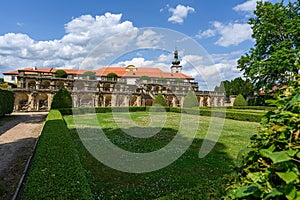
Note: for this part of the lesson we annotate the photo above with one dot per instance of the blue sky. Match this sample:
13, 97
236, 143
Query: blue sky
61, 33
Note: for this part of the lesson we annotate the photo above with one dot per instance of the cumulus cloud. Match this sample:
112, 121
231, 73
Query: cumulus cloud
206, 34
180, 13
248, 6
229, 34
82, 36
232, 33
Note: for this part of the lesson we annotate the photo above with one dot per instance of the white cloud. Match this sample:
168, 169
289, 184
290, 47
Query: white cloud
248, 6
180, 13
229, 34
206, 34
83, 35
232, 33
148, 38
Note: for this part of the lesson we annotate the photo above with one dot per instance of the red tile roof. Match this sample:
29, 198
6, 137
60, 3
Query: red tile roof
120, 71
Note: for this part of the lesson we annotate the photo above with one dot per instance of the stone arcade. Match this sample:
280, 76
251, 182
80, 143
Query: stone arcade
130, 86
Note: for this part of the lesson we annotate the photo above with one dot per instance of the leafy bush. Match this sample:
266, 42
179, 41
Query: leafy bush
6, 102
190, 101
269, 168
160, 100
56, 171
90, 74
61, 74
239, 101
62, 99
111, 75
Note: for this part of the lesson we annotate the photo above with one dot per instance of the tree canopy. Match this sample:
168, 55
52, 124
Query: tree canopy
235, 87
276, 30
61, 74
90, 74
62, 99
159, 99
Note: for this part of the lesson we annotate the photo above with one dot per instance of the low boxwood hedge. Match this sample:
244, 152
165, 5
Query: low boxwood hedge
204, 111
56, 171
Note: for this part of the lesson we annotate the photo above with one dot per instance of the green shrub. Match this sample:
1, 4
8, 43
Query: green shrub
240, 101
160, 100
190, 101
270, 166
90, 74
6, 102
62, 99
56, 171
112, 75
61, 74
84, 110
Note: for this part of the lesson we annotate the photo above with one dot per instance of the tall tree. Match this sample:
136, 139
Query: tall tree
235, 87
276, 30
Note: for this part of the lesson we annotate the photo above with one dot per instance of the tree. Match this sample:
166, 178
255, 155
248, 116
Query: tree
61, 74
190, 101
276, 30
62, 99
160, 100
111, 75
235, 87
239, 101
90, 74
270, 166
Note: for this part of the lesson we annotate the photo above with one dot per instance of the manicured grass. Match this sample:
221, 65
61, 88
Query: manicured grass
187, 178
56, 172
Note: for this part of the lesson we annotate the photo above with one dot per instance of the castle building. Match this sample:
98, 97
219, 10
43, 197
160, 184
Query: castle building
109, 86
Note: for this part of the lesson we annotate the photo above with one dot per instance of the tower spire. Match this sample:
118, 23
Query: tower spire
176, 67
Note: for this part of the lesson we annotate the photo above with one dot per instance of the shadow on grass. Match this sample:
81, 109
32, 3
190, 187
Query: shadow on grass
189, 177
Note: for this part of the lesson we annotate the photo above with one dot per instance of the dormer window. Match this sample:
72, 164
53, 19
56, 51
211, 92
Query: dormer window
131, 68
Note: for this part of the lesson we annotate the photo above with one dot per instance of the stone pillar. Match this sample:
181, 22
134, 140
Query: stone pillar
181, 101
208, 101
104, 101
97, 100
201, 100
139, 100
174, 101
126, 100
113, 100
221, 101
16, 104
50, 98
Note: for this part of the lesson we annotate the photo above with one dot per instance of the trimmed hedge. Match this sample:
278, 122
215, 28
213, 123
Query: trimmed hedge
62, 99
6, 102
240, 101
56, 171
204, 111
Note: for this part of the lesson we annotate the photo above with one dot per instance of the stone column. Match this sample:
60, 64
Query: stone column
181, 101
208, 101
104, 101
201, 99
113, 100
174, 102
139, 100
50, 98
126, 100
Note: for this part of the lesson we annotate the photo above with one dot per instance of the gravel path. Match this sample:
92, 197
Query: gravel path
17, 138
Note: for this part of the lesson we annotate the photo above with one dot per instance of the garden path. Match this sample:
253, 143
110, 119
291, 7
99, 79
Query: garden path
17, 139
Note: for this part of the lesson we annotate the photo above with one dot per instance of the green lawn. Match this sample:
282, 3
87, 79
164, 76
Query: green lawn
187, 178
